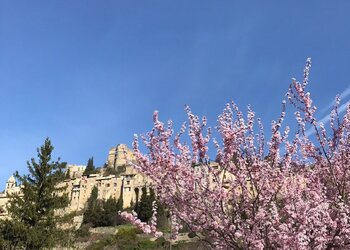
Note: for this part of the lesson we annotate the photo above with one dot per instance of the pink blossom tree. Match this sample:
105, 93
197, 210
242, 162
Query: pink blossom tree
288, 192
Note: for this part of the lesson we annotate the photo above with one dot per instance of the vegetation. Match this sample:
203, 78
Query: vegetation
90, 168
128, 238
109, 171
93, 211
288, 191
34, 223
143, 208
100, 213
67, 176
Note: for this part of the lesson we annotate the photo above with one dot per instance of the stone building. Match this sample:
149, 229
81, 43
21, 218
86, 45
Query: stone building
11, 188
125, 181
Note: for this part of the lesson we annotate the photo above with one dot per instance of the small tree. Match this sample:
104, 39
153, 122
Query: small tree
90, 168
34, 224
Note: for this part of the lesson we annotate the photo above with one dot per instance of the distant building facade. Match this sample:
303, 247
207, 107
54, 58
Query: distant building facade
11, 188
125, 182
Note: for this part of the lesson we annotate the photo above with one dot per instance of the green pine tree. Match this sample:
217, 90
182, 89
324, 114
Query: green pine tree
90, 168
33, 223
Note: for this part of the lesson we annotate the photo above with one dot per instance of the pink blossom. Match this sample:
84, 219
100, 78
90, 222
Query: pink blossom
286, 192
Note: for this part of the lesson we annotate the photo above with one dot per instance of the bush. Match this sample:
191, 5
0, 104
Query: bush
83, 231
147, 244
126, 238
101, 244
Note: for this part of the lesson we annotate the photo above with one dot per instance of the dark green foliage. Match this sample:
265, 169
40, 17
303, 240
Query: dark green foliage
110, 171
93, 211
83, 231
127, 238
114, 171
191, 235
67, 174
101, 244
147, 244
110, 215
120, 204
144, 208
121, 169
162, 217
33, 224
90, 168
101, 213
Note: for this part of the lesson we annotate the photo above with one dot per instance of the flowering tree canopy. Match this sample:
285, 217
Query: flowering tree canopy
285, 192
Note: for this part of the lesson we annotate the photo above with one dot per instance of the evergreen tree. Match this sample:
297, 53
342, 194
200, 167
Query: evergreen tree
145, 212
120, 203
101, 213
93, 209
34, 224
67, 174
110, 213
162, 216
90, 168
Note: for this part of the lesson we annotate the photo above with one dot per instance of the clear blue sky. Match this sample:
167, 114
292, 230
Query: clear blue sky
89, 74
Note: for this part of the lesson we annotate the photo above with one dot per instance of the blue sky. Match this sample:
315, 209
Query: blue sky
89, 74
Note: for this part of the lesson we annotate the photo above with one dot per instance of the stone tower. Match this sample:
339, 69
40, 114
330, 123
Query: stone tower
120, 155
10, 184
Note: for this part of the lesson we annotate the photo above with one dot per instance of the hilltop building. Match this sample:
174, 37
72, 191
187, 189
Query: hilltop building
11, 188
118, 179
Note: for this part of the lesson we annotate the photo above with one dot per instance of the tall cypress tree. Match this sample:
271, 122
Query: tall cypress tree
34, 224
90, 168
93, 210
67, 174
145, 212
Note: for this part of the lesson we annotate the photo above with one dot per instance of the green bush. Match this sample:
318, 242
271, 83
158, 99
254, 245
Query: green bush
147, 244
110, 241
126, 238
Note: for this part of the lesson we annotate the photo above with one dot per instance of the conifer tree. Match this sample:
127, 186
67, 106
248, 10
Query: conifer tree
93, 209
110, 216
145, 212
90, 168
34, 223
67, 174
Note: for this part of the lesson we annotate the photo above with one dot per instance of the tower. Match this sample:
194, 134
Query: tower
10, 184
120, 155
